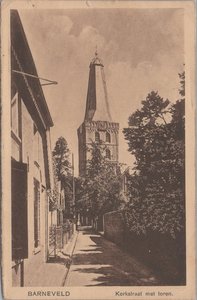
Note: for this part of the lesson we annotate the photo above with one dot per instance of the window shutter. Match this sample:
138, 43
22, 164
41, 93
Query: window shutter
19, 211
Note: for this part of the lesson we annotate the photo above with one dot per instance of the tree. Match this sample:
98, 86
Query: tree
62, 167
61, 155
156, 137
101, 187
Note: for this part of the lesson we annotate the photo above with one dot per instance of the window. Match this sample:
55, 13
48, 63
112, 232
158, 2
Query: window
108, 154
15, 115
108, 137
97, 136
15, 111
16, 130
36, 213
36, 145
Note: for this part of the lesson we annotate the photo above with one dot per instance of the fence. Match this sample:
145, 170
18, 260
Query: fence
59, 237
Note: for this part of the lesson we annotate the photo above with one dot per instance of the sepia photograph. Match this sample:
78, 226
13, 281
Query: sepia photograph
97, 140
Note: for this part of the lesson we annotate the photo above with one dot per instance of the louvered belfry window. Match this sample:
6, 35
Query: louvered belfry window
97, 136
108, 137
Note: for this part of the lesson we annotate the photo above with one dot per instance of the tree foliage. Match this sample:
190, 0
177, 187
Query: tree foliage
100, 189
61, 155
62, 168
52, 196
155, 136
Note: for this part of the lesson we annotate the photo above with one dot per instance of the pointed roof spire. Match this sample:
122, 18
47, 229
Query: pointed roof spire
97, 105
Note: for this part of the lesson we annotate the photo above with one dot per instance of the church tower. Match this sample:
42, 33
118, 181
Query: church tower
97, 125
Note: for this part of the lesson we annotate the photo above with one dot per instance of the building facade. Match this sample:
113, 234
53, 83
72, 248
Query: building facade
31, 161
97, 125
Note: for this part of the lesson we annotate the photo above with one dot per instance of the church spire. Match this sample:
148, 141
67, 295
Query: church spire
97, 126
97, 105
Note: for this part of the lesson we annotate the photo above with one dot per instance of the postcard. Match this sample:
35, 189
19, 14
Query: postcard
98, 149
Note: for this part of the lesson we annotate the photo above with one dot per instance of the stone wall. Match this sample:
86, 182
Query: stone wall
114, 229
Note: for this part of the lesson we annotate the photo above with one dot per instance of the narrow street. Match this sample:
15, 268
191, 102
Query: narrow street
99, 262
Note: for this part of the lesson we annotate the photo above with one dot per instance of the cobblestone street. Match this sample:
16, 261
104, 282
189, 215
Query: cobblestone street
98, 262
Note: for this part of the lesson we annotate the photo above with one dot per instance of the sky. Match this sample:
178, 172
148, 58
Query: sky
142, 50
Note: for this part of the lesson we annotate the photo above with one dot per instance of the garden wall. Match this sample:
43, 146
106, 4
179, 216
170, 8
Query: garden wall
114, 229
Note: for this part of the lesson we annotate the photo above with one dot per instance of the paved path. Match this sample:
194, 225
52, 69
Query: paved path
98, 262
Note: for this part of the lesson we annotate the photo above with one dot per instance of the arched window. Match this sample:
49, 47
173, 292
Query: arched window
97, 136
108, 137
108, 154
